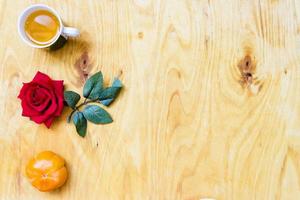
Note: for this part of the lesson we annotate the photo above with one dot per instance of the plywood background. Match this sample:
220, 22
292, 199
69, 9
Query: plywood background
211, 106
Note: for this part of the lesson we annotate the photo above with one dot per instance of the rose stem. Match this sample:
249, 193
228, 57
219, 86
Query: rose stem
80, 105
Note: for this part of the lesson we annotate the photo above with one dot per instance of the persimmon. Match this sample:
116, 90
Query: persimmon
47, 171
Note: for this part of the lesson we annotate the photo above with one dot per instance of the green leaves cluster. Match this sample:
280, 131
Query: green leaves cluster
94, 92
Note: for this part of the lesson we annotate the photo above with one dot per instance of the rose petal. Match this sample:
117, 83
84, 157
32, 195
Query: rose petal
42, 99
41, 77
50, 112
36, 103
43, 80
24, 90
27, 110
43, 106
43, 117
39, 95
48, 122
59, 90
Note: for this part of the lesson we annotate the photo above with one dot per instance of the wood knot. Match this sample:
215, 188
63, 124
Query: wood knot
247, 69
141, 35
82, 66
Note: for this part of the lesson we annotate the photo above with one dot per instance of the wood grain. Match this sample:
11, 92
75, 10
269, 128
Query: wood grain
211, 107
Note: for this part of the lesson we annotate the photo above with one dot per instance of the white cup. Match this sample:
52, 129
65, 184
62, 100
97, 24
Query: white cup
57, 41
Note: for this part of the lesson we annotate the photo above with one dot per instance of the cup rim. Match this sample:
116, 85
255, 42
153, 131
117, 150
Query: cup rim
21, 26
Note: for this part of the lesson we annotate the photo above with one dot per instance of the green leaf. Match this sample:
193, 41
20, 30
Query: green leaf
80, 123
93, 86
96, 114
108, 95
117, 83
71, 98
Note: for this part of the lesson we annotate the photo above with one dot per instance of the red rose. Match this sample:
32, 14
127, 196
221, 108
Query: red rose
42, 99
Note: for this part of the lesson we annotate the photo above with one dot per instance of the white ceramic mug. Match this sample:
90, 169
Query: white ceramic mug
55, 42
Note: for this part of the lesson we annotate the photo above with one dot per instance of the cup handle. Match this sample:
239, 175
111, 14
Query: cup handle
70, 31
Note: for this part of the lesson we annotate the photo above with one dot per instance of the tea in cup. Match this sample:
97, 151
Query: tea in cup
40, 26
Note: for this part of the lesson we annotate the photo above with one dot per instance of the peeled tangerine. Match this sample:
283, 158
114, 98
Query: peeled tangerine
47, 171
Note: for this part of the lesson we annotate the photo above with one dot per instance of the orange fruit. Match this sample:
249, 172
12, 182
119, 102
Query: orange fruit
47, 171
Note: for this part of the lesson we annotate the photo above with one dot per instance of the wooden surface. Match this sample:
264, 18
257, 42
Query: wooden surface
211, 106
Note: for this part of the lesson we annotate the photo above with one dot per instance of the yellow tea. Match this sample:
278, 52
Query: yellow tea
41, 27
